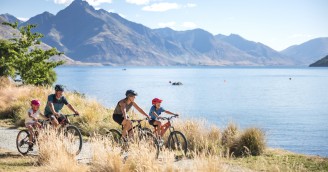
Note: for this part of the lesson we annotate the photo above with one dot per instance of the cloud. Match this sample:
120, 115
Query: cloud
98, 2
189, 25
63, 1
23, 18
167, 24
138, 2
190, 5
161, 7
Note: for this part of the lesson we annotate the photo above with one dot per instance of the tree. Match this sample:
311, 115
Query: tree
6, 61
22, 56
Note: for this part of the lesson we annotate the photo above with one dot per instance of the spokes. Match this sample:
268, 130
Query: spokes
22, 142
178, 143
73, 140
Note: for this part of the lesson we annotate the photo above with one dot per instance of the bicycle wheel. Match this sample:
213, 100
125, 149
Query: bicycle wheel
147, 129
74, 141
149, 137
177, 142
114, 135
22, 141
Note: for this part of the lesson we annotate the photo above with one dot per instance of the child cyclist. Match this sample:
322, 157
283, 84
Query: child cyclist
31, 120
155, 112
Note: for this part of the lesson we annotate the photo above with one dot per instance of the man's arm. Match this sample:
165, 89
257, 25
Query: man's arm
140, 110
52, 108
72, 109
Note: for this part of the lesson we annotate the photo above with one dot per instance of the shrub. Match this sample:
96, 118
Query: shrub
250, 142
229, 135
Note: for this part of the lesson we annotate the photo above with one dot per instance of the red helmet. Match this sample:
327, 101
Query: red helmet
35, 102
156, 100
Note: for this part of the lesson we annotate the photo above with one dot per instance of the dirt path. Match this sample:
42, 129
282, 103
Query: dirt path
8, 142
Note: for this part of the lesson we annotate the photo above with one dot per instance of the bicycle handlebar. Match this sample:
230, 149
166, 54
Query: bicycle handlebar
139, 120
169, 118
71, 115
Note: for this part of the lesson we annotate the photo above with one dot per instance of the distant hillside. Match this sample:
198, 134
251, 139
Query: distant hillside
10, 18
90, 35
256, 49
309, 51
321, 63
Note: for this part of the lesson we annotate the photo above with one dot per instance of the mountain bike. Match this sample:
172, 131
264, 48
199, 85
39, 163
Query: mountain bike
70, 131
176, 141
140, 133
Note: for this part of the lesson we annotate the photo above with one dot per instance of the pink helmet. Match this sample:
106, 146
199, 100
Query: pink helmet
156, 100
35, 102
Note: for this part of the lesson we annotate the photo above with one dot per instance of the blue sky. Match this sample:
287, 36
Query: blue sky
276, 23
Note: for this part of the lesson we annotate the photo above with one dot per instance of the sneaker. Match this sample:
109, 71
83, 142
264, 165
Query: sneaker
160, 142
30, 147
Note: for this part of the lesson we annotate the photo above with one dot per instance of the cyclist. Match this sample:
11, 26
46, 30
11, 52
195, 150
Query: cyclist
55, 104
31, 120
123, 106
155, 112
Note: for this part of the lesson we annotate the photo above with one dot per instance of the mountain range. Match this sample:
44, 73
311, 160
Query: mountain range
321, 63
7, 32
89, 35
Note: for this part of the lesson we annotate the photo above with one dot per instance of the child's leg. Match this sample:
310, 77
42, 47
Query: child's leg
158, 125
30, 129
163, 130
37, 125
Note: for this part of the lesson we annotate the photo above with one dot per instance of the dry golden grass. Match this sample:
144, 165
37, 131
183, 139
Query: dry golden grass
54, 154
15, 101
209, 147
95, 118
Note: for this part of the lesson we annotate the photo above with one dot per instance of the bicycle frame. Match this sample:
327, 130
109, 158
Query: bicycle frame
138, 126
166, 125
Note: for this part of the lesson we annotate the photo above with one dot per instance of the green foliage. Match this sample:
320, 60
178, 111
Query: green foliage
21, 56
6, 61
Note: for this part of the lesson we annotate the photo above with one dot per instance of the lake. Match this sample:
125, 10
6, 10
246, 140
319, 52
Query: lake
289, 104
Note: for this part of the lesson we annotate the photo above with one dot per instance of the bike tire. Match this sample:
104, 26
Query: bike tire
114, 135
177, 142
77, 136
149, 137
147, 129
22, 141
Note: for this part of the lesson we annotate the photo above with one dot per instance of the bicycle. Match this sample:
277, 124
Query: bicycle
70, 131
142, 135
176, 141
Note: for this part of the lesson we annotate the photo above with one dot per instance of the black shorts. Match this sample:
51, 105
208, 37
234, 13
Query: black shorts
151, 122
118, 118
52, 116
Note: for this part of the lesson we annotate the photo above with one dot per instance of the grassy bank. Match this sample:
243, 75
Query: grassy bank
10, 161
210, 148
